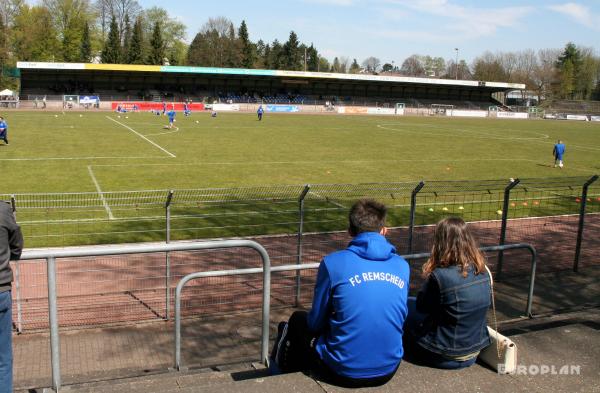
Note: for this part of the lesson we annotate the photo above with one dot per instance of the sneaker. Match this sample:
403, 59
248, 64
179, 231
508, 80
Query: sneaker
277, 353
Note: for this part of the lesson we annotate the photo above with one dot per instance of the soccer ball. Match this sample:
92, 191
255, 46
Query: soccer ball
560, 164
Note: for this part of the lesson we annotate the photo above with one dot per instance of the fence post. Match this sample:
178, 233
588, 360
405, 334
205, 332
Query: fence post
299, 247
505, 205
13, 204
582, 221
167, 258
413, 208
53, 320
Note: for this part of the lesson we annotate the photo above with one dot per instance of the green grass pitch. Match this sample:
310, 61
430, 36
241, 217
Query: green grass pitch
84, 152
94, 152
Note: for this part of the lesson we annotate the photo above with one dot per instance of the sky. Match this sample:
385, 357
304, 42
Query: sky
392, 30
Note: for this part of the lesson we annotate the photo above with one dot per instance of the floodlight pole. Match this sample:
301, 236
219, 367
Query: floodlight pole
456, 64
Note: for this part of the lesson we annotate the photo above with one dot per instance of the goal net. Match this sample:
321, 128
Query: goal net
399, 108
70, 101
440, 109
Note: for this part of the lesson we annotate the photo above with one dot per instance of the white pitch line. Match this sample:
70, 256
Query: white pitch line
318, 162
77, 158
165, 133
142, 136
110, 215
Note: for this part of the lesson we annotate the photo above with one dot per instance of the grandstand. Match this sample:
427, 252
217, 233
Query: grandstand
114, 82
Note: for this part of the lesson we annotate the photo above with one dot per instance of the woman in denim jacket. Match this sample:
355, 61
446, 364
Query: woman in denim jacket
446, 325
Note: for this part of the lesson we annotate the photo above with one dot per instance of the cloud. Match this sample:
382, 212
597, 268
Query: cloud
470, 21
578, 12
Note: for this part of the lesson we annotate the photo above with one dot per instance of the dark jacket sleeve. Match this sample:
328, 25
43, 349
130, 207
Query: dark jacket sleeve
15, 241
319, 314
428, 298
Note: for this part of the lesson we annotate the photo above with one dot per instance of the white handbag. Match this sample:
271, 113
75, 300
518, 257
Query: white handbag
501, 354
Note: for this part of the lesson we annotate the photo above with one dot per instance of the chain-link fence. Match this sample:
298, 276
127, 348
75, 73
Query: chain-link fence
296, 224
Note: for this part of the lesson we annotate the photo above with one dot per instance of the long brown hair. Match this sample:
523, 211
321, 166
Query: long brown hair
453, 244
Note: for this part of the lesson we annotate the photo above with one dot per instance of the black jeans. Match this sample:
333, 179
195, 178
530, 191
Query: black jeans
300, 355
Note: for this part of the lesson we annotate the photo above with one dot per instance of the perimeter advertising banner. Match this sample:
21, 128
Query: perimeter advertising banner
282, 108
461, 113
157, 106
513, 115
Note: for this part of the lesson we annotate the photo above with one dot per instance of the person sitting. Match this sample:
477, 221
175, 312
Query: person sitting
352, 336
446, 325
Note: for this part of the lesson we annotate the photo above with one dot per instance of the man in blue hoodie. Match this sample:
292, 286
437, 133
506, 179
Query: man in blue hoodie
353, 333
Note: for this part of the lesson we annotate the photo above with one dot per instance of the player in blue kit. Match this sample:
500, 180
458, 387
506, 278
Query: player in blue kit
559, 152
260, 112
171, 114
3, 130
353, 333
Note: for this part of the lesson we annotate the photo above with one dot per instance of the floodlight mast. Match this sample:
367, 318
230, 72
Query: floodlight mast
456, 64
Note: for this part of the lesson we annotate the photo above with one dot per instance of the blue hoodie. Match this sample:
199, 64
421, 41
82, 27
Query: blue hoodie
359, 308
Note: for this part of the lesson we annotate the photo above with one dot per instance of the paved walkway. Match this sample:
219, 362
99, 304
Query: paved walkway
571, 340
130, 350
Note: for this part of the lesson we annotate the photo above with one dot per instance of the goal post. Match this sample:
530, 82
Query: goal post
70, 101
399, 108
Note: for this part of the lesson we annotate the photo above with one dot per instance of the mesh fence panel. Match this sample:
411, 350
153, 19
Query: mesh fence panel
543, 212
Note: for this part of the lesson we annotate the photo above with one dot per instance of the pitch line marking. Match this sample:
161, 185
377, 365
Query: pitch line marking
91, 172
165, 133
142, 136
321, 162
79, 158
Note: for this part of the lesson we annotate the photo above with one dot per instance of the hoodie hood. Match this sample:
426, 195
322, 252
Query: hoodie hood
372, 246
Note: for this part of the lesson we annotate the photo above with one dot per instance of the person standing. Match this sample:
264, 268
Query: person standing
11, 245
559, 151
353, 333
260, 112
3, 130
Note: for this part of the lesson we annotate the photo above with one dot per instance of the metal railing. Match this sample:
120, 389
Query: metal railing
299, 223
267, 291
52, 255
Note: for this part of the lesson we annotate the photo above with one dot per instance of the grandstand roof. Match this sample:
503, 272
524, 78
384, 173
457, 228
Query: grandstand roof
298, 75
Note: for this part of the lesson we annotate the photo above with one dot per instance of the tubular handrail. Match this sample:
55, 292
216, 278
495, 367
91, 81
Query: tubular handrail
51, 255
295, 267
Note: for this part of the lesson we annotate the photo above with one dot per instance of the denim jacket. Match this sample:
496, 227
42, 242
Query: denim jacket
456, 309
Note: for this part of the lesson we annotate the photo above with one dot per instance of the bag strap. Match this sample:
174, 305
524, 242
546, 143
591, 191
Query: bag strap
494, 310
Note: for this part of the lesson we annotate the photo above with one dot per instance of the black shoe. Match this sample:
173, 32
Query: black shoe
278, 350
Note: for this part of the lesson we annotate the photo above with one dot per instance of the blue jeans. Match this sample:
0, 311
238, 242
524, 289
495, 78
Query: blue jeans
6, 355
420, 354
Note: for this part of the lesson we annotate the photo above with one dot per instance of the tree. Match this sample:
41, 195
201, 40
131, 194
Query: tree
232, 50
135, 55
488, 67
413, 66
127, 33
9, 9
69, 17
112, 47
157, 46
323, 65
354, 67
248, 49
85, 55
371, 64
387, 67
335, 67
291, 53
120, 9
276, 56
173, 32
312, 58
34, 36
